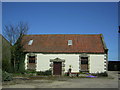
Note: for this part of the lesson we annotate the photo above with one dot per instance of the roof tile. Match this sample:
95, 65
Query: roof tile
59, 43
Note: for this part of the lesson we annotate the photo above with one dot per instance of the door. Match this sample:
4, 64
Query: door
84, 63
57, 68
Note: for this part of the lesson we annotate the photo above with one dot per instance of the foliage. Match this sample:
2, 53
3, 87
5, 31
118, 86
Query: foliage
85, 72
6, 55
14, 34
47, 72
66, 74
103, 74
6, 65
6, 76
30, 71
18, 56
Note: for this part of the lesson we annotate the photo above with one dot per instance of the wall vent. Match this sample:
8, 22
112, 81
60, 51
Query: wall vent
30, 42
69, 42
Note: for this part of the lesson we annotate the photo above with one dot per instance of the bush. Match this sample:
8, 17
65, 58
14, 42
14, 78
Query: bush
47, 72
6, 65
103, 74
6, 76
30, 71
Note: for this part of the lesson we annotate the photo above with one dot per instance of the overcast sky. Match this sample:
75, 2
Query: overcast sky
67, 18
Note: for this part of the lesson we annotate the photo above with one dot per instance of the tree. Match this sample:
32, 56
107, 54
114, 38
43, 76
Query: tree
14, 34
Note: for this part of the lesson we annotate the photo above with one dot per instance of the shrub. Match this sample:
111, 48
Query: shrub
103, 74
66, 74
6, 65
6, 76
47, 72
30, 71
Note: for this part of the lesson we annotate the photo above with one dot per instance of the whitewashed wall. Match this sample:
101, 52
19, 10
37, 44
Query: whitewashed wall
96, 62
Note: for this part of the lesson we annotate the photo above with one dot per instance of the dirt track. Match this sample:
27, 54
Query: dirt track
109, 82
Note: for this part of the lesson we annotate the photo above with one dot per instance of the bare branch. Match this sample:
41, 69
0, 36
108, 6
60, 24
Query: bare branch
13, 32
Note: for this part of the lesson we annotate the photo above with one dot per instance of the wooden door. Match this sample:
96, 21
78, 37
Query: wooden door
57, 68
84, 63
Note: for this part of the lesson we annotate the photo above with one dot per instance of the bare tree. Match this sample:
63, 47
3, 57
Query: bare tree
13, 34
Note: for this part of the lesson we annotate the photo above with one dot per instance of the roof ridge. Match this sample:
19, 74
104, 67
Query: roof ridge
59, 34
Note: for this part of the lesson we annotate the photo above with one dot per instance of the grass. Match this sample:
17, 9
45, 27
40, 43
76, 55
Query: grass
20, 75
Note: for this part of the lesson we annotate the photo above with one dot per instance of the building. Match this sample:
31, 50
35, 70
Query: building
59, 52
5, 55
113, 65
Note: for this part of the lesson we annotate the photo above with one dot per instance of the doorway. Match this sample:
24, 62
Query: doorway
57, 68
84, 63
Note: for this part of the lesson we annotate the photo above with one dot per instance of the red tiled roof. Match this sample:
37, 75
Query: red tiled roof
59, 43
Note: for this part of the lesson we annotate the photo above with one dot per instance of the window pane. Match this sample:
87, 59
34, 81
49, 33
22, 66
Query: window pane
31, 59
84, 60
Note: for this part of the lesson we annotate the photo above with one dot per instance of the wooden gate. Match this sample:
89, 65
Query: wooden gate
57, 68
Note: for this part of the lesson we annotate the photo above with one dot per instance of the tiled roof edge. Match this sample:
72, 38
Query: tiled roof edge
104, 44
58, 34
66, 52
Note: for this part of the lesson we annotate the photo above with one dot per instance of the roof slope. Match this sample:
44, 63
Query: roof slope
58, 43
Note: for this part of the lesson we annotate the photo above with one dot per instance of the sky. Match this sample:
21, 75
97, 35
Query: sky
67, 18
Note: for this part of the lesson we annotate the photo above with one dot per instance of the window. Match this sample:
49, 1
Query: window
31, 59
30, 42
69, 42
84, 60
